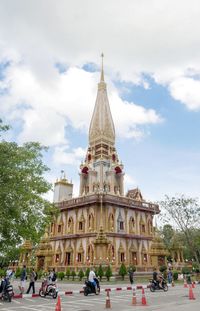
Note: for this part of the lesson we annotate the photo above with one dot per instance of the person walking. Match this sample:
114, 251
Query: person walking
131, 275
32, 281
23, 277
169, 276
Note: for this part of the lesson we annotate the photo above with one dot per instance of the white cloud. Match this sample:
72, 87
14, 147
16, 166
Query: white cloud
186, 90
160, 38
62, 156
129, 117
46, 109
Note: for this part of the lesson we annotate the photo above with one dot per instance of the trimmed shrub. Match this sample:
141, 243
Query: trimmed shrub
100, 272
108, 273
73, 274
81, 274
96, 272
87, 272
175, 275
61, 275
122, 271
68, 273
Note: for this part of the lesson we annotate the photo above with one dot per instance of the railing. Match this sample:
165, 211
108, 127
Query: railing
95, 198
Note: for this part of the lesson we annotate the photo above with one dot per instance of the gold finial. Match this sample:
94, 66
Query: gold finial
102, 72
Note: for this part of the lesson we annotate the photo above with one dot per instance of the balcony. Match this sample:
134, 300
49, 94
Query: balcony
108, 198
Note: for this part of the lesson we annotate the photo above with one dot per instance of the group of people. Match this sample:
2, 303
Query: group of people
51, 277
23, 278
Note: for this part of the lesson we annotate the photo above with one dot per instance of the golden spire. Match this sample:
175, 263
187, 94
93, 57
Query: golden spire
102, 72
102, 126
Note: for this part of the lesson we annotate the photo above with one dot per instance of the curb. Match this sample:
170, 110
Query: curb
62, 293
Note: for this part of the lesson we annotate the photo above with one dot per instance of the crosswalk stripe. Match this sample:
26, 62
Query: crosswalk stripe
16, 301
27, 299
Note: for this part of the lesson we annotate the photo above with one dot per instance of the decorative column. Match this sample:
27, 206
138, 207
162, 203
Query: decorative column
126, 225
76, 221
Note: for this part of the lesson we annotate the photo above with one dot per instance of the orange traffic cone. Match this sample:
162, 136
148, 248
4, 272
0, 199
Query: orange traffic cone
144, 302
185, 284
193, 285
134, 301
191, 294
58, 305
108, 304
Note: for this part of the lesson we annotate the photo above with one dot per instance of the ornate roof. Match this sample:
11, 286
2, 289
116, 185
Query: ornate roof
158, 247
135, 194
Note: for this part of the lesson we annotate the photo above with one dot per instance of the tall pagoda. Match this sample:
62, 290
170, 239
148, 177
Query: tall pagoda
102, 225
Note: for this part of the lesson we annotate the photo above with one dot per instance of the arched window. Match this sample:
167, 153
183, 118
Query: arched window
131, 225
70, 225
90, 254
149, 226
91, 222
111, 253
111, 222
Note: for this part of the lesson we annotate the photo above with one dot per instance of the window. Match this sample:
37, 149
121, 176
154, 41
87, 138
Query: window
59, 228
134, 258
121, 225
144, 259
67, 259
57, 257
80, 225
52, 227
79, 258
143, 228
122, 257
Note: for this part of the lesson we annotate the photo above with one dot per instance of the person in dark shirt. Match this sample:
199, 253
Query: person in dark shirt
131, 276
23, 277
155, 275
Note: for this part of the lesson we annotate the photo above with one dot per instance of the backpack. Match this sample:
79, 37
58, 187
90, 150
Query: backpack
36, 276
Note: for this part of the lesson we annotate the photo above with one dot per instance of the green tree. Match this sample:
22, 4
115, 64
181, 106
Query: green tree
122, 271
163, 268
23, 210
100, 272
108, 273
167, 233
186, 270
81, 274
185, 213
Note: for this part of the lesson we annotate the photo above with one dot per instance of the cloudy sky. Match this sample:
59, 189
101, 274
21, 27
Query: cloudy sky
49, 70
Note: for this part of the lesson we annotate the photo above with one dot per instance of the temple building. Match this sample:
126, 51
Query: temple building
103, 225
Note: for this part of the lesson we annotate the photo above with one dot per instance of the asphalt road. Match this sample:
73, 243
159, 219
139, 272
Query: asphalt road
176, 299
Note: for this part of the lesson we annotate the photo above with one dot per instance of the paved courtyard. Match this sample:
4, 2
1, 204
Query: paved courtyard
176, 299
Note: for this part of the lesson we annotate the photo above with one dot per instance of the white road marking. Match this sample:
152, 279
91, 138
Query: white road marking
31, 300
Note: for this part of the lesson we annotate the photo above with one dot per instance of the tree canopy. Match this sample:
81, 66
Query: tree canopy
184, 212
23, 210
